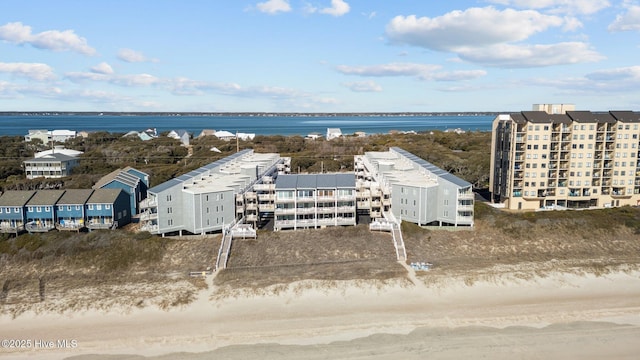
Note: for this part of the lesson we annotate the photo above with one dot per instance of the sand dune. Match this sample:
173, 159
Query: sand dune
558, 316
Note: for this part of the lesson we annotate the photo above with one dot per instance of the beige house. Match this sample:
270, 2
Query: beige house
568, 159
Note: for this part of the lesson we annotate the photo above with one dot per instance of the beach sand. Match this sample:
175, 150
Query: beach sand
558, 316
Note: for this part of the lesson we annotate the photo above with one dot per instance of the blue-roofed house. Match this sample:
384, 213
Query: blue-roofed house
133, 181
71, 209
13, 214
41, 212
107, 209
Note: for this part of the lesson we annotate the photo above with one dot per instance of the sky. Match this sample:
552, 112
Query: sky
318, 56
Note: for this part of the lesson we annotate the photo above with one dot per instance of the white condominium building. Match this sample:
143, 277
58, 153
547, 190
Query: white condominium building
315, 201
204, 200
411, 189
574, 159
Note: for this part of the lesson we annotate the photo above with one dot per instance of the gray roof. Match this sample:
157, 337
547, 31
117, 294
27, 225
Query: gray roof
432, 168
16, 197
188, 176
121, 175
316, 181
542, 117
626, 116
45, 197
104, 196
75, 196
591, 117
52, 158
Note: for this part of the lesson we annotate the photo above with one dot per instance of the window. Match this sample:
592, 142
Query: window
16, 210
61, 208
77, 207
90, 206
168, 197
107, 206
0, 210
38, 208
98, 206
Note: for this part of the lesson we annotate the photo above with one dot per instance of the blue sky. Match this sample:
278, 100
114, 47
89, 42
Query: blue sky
318, 55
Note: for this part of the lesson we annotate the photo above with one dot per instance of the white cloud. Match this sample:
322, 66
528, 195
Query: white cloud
393, 69
524, 56
274, 6
34, 71
54, 40
624, 80
363, 86
631, 73
475, 27
421, 71
14, 91
102, 68
338, 8
459, 75
128, 80
492, 37
558, 6
628, 21
132, 56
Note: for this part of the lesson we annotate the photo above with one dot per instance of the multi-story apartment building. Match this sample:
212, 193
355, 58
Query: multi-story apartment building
411, 189
251, 188
573, 159
205, 200
314, 201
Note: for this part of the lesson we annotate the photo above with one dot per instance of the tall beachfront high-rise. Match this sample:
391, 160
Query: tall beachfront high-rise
559, 157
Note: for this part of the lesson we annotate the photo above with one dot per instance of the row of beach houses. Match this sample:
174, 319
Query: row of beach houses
111, 203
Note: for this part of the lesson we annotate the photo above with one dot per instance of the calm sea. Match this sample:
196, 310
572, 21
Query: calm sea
261, 125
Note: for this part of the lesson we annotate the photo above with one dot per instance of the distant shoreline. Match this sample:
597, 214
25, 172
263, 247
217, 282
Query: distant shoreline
256, 114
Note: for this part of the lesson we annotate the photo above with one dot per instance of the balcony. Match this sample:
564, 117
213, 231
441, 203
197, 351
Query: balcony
283, 211
264, 187
148, 203
266, 207
309, 210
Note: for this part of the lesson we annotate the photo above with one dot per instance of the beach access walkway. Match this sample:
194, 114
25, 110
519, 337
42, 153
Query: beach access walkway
392, 225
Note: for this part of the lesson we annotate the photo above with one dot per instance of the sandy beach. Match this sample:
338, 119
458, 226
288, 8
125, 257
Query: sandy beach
561, 315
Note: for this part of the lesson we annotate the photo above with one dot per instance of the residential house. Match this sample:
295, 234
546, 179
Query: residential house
333, 133
225, 135
71, 209
181, 135
134, 182
107, 209
43, 135
54, 165
206, 132
41, 210
13, 211
62, 135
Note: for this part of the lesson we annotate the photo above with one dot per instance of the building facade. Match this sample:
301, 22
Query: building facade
204, 200
73, 209
50, 166
399, 184
575, 159
314, 201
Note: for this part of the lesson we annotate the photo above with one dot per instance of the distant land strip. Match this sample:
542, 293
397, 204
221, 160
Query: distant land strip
256, 114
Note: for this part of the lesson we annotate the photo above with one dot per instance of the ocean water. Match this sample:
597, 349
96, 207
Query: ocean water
261, 125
